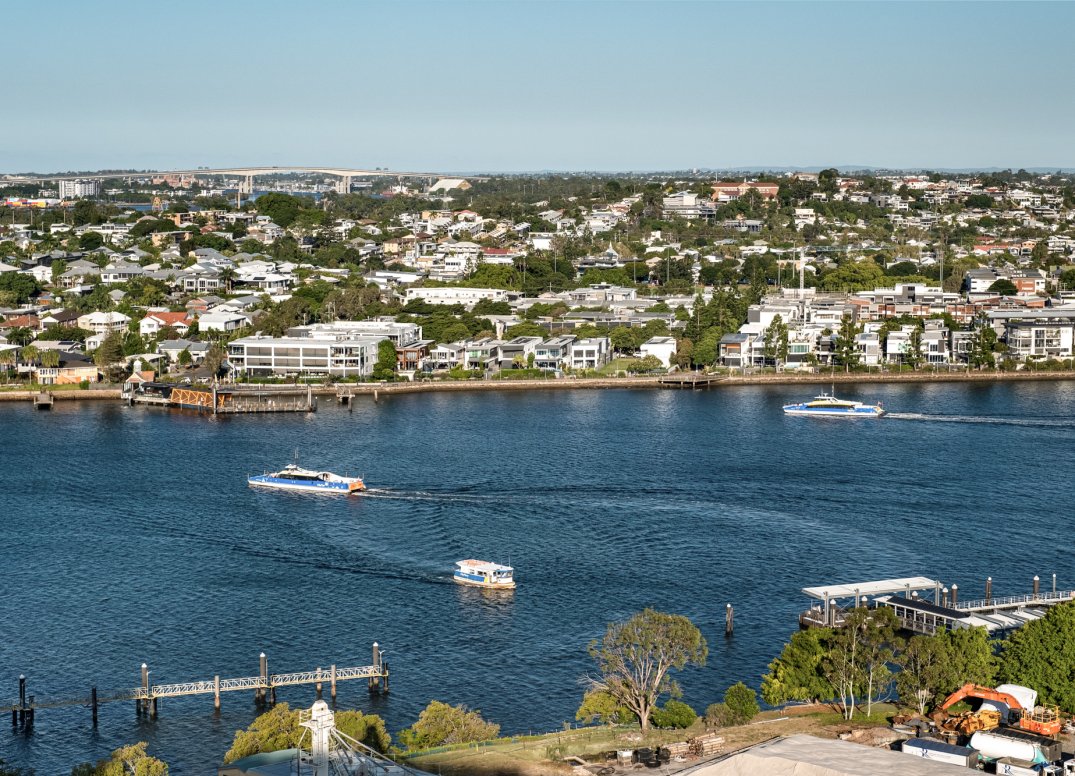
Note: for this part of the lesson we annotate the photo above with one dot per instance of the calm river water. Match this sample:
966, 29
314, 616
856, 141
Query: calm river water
130, 535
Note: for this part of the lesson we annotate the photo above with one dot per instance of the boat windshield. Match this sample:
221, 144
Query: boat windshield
300, 476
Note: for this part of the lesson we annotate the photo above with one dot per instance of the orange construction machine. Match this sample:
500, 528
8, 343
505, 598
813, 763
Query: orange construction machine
1043, 720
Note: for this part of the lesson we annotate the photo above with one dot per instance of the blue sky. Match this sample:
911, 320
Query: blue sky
512, 85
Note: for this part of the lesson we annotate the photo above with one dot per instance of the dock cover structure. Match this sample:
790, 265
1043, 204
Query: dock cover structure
860, 590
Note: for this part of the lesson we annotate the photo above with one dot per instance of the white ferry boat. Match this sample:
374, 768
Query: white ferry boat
293, 477
481, 573
827, 404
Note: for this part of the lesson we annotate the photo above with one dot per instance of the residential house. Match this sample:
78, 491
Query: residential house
662, 348
222, 321
73, 369
553, 353
103, 322
590, 353
517, 352
151, 325
446, 355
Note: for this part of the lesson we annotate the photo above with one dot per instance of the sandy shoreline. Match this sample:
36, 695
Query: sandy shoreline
384, 389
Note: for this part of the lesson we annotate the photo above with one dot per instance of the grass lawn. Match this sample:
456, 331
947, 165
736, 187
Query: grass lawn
542, 756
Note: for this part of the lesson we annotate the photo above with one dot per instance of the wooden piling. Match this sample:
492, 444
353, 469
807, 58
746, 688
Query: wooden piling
332, 680
263, 672
93, 704
317, 686
145, 686
30, 713
1054, 584
729, 620
955, 595
153, 708
1037, 585
375, 395
216, 692
374, 682
944, 596
384, 685
988, 589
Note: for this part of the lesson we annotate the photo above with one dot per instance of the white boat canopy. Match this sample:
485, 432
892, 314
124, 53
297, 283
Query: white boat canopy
879, 587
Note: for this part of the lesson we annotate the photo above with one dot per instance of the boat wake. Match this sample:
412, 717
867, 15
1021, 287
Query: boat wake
985, 420
422, 495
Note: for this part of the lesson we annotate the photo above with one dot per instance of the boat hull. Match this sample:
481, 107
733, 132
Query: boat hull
865, 411
476, 580
277, 483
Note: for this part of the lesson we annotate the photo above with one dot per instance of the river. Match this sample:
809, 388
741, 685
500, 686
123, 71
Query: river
129, 535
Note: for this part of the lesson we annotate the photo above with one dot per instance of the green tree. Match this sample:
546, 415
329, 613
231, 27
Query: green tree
385, 368
861, 275
8, 359
283, 209
214, 359
50, 358
441, 724
845, 349
924, 670
598, 705
673, 715
110, 351
775, 343
279, 728
184, 358
1004, 287
126, 761
982, 344
914, 356
635, 657
90, 241
30, 354
21, 288
1041, 655
742, 704
20, 335
707, 349
456, 332
798, 674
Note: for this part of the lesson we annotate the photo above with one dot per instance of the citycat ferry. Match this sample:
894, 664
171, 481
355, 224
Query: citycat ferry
293, 477
481, 573
828, 405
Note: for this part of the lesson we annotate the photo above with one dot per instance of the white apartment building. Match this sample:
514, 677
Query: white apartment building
79, 188
264, 356
464, 296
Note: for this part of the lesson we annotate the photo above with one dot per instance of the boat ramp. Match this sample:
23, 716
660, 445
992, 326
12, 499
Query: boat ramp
221, 400
909, 599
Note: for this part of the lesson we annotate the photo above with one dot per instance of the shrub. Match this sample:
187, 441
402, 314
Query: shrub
675, 714
440, 724
742, 703
716, 715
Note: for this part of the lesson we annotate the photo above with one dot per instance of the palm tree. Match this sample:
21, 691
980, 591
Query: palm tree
29, 354
50, 358
8, 358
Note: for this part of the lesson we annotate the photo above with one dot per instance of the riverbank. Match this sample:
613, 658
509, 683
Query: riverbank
548, 755
603, 383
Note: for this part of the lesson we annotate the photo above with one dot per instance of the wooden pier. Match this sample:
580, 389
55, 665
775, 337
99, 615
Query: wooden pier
43, 401
263, 685
691, 380
217, 400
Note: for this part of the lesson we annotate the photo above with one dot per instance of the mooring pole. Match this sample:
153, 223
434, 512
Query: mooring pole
332, 682
955, 595
317, 686
1037, 585
384, 670
22, 699
374, 682
263, 672
1054, 583
216, 692
988, 589
30, 713
729, 620
145, 687
93, 704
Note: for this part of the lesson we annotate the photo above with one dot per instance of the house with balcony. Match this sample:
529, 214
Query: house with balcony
483, 354
446, 355
1037, 334
553, 353
590, 353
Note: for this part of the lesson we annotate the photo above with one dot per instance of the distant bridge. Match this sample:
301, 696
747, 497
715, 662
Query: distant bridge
346, 175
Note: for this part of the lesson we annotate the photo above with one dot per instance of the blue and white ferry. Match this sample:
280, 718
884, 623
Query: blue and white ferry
481, 573
293, 477
828, 405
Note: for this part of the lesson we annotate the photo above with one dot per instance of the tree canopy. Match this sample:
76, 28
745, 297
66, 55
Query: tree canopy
635, 657
279, 728
440, 724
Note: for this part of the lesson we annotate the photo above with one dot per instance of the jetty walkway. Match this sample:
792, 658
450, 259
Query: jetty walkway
263, 685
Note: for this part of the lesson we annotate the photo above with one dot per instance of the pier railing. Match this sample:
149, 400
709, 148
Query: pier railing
1016, 601
263, 685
